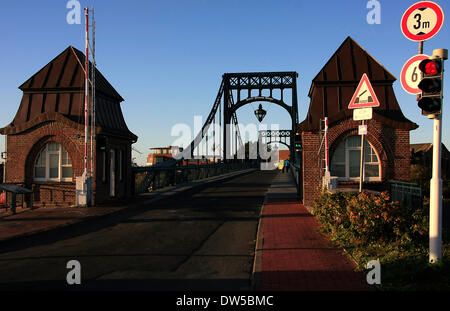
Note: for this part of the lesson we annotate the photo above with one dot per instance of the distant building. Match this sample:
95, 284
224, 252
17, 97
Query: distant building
162, 154
387, 154
422, 154
46, 137
284, 154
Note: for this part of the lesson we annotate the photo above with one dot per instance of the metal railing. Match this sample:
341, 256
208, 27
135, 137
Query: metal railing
408, 194
149, 179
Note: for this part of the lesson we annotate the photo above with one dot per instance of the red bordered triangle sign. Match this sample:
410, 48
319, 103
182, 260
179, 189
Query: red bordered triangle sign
364, 96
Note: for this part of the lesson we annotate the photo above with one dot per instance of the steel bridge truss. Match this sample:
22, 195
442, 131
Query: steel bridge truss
278, 136
237, 83
245, 83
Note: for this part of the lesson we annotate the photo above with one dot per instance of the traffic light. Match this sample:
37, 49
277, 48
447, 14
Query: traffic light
101, 143
298, 142
431, 86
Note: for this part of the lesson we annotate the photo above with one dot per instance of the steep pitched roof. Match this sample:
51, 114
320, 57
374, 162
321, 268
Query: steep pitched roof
56, 93
332, 88
66, 71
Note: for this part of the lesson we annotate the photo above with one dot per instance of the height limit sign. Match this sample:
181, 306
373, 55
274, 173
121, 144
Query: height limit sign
422, 21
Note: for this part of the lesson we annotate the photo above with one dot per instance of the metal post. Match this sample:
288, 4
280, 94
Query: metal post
436, 180
436, 195
6, 160
225, 120
93, 127
361, 177
326, 146
236, 141
86, 96
420, 52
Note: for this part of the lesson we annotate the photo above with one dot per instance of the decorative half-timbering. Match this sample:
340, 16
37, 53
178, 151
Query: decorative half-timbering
45, 141
387, 154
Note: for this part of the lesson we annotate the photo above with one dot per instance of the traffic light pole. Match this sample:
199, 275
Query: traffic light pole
436, 194
435, 234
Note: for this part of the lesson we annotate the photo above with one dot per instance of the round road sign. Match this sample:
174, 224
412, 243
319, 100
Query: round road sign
411, 74
422, 20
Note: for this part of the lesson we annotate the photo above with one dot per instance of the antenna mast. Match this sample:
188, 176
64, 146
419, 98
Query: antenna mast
93, 69
86, 96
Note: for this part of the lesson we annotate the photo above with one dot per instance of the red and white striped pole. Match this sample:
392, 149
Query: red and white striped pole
86, 96
326, 146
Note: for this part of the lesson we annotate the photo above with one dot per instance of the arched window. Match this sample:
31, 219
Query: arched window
346, 160
53, 164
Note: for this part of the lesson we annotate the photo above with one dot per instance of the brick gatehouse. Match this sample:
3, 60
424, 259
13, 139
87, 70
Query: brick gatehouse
45, 141
387, 154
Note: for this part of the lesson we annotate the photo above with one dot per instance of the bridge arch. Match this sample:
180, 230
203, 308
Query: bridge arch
279, 142
258, 81
269, 99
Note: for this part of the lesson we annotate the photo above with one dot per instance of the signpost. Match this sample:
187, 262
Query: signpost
411, 74
362, 114
362, 129
420, 22
362, 101
364, 96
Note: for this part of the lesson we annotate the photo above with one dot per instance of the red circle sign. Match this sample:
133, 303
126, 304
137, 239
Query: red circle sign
422, 20
411, 74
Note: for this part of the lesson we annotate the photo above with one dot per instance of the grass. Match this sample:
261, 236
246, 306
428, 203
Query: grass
404, 266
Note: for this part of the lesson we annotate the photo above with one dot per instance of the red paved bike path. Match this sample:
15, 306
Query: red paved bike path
293, 255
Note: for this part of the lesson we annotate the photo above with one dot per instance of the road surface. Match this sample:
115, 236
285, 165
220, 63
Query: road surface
202, 239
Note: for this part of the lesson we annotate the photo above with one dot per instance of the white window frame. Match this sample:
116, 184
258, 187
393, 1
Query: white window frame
346, 162
47, 164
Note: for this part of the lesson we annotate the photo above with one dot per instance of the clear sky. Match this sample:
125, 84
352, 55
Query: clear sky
166, 57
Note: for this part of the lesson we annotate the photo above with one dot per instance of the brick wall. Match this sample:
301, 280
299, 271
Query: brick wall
391, 145
23, 149
311, 171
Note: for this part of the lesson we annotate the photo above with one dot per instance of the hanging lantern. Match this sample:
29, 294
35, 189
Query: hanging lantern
260, 113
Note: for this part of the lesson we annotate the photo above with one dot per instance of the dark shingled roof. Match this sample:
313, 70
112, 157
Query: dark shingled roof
425, 147
421, 147
333, 87
56, 92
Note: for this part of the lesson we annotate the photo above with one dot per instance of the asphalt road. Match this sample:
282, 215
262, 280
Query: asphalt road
202, 239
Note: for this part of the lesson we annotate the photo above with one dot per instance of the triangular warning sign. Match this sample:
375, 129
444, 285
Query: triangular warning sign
364, 96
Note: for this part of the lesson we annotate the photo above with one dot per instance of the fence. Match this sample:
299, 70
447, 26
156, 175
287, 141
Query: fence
409, 194
148, 179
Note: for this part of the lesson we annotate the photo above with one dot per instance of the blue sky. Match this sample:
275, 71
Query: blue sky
166, 58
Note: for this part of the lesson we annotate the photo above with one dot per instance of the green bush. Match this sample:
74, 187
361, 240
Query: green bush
366, 218
421, 175
446, 189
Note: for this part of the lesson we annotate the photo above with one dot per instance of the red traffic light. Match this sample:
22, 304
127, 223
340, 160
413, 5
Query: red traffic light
430, 67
